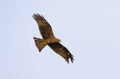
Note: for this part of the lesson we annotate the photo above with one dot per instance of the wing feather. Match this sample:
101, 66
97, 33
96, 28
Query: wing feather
44, 26
62, 51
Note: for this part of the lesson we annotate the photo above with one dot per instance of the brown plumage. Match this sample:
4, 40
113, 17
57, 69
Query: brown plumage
49, 39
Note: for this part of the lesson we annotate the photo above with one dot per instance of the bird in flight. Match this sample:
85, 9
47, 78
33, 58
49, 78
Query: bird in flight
49, 39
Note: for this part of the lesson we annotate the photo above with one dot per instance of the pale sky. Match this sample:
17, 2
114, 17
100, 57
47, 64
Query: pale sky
90, 29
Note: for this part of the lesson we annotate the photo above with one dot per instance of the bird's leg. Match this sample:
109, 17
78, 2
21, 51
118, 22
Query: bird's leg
47, 41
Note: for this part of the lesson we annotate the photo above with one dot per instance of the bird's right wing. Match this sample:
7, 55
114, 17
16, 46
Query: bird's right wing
44, 26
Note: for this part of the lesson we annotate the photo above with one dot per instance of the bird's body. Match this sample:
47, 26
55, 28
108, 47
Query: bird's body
49, 39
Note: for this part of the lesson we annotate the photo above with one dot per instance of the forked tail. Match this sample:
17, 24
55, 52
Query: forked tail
40, 43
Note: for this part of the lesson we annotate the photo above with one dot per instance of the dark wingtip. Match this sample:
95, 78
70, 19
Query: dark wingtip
71, 58
35, 16
67, 60
38, 16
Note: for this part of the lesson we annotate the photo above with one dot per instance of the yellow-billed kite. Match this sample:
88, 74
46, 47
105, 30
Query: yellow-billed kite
49, 39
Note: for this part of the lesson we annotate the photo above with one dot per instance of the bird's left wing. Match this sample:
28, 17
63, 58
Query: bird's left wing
62, 51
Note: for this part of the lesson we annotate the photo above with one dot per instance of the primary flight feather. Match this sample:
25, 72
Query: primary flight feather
49, 39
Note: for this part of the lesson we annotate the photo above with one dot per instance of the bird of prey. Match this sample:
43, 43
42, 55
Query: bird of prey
49, 39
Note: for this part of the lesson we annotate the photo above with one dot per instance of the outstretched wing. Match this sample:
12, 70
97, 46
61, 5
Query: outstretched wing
62, 51
44, 26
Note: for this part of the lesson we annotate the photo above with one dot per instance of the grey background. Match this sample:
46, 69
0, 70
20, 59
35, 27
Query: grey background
90, 29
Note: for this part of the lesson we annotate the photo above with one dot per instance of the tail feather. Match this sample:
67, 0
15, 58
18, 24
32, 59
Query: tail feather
40, 43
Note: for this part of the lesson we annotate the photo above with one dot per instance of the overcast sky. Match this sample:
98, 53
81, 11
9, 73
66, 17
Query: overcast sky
90, 29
